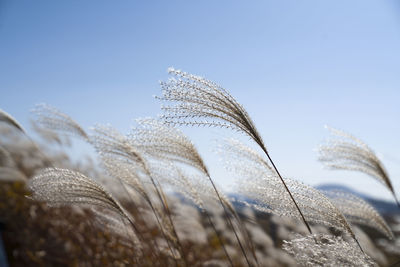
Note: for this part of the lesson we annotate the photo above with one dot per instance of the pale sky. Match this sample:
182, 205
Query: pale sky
294, 65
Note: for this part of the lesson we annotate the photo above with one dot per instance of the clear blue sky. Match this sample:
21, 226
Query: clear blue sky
295, 66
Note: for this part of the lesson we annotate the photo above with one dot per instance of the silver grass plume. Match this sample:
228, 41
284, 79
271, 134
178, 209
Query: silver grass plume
122, 159
180, 182
326, 250
199, 188
122, 170
161, 141
51, 118
51, 136
109, 141
346, 152
359, 211
197, 99
7, 118
158, 140
126, 174
194, 188
207, 192
258, 181
58, 187
63, 187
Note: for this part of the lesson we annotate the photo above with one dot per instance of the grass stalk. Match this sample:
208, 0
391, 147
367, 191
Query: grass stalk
229, 221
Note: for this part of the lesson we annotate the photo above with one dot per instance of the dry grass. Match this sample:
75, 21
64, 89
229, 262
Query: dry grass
151, 200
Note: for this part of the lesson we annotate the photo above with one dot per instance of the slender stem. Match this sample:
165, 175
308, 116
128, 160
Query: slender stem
246, 235
294, 201
133, 203
229, 220
287, 189
168, 211
168, 215
162, 230
218, 236
359, 245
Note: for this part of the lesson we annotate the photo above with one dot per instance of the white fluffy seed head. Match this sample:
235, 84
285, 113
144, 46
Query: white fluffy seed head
326, 250
346, 152
196, 101
51, 118
58, 186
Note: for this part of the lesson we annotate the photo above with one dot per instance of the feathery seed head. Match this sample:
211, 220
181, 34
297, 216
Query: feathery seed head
7, 118
108, 141
62, 187
359, 211
51, 118
326, 250
258, 181
346, 152
199, 102
161, 141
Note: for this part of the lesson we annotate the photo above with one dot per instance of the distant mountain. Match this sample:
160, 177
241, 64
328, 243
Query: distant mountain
382, 206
